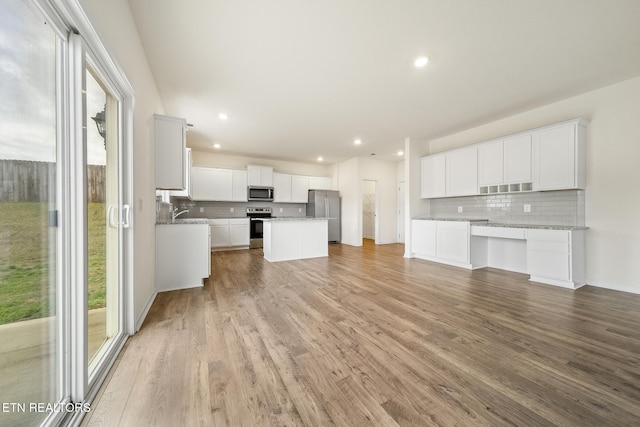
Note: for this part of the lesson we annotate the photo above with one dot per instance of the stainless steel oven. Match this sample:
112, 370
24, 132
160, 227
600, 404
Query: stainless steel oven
256, 215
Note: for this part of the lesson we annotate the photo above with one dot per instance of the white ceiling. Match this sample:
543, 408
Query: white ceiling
302, 79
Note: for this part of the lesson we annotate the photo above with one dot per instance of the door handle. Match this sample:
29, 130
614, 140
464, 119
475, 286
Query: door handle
113, 223
126, 212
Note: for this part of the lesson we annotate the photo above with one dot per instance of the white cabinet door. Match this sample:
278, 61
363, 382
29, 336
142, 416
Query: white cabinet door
170, 145
423, 238
220, 234
281, 188
299, 189
433, 176
491, 163
187, 177
222, 184
319, 183
517, 159
239, 232
453, 241
558, 157
239, 186
201, 187
462, 172
261, 176
549, 254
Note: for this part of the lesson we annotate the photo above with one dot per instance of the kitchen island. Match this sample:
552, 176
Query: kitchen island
295, 238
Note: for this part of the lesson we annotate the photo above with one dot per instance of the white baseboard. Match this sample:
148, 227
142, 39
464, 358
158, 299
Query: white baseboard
614, 288
144, 313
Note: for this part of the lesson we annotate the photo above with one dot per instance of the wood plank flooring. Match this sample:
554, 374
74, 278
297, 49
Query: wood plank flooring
367, 337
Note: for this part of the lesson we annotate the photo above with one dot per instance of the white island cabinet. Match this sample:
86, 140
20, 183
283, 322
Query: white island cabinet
295, 238
183, 257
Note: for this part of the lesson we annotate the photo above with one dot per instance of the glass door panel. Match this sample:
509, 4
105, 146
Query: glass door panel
30, 301
103, 217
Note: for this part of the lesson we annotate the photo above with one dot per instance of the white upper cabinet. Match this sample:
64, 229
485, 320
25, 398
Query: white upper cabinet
216, 184
170, 144
290, 188
517, 159
299, 189
505, 165
491, 163
260, 176
559, 156
462, 172
281, 188
239, 184
433, 176
319, 183
187, 176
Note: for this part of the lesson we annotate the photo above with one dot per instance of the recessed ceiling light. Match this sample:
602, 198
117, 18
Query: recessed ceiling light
421, 61
223, 116
216, 146
320, 159
400, 153
357, 141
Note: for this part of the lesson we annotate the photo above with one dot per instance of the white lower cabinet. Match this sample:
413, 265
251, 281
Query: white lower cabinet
453, 241
447, 242
556, 257
239, 232
229, 232
183, 258
423, 238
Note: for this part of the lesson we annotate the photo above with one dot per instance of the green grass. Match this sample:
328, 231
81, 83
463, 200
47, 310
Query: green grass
26, 267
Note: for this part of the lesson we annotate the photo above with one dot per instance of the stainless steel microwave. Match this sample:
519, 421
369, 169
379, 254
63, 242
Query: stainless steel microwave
260, 193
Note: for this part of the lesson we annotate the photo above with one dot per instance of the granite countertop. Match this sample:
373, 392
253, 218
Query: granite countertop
535, 226
486, 223
196, 220
295, 218
431, 218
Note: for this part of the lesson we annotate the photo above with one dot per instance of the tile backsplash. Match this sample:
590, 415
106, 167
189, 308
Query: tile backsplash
224, 209
565, 207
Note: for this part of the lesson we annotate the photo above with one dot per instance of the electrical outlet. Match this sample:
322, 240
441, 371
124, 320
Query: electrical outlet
231, 210
527, 208
460, 209
280, 210
201, 210
299, 210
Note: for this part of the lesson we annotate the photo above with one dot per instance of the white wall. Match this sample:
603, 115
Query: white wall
351, 174
205, 158
114, 24
613, 174
368, 209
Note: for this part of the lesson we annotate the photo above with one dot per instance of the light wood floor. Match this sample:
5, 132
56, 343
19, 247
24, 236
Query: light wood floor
366, 337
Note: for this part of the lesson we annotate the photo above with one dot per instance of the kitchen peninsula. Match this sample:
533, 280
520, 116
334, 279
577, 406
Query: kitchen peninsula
295, 238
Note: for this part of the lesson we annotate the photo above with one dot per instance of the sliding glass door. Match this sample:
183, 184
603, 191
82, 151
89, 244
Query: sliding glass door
31, 301
64, 220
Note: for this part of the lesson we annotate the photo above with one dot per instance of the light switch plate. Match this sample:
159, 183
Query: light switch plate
201, 210
231, 210
527, 208
460, 209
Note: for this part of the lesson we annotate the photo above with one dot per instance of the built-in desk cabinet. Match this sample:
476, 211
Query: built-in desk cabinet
556, 257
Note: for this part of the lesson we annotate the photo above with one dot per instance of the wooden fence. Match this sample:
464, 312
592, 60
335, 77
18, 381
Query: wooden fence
27, 181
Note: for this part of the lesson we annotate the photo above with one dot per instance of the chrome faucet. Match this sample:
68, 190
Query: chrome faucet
175, 214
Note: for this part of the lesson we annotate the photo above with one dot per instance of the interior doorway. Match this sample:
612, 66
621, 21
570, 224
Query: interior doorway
369, 210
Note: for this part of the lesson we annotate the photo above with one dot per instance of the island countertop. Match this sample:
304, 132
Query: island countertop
294, 218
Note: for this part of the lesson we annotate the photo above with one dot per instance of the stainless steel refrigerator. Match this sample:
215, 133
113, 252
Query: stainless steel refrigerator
326, 204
